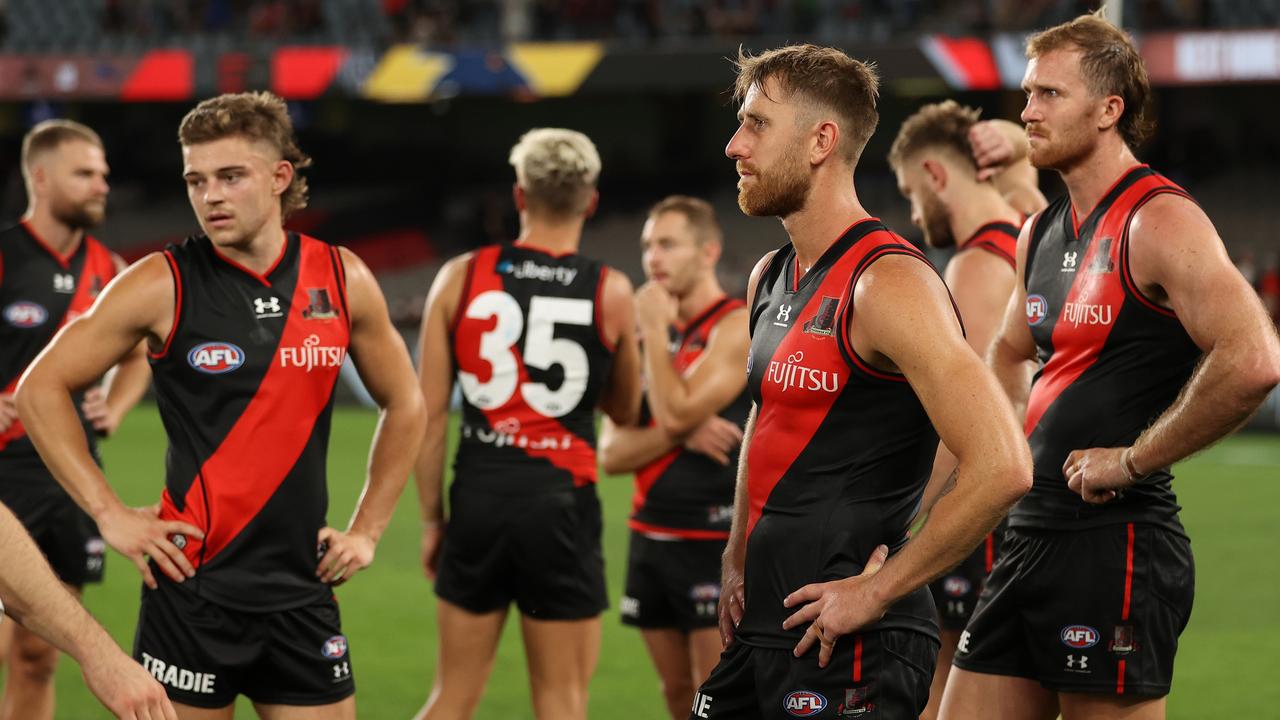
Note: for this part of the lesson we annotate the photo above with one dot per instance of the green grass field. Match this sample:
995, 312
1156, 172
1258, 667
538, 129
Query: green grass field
1224, 669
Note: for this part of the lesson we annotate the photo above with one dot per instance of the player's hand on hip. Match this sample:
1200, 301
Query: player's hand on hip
139, 534
1098, 474
125, 688
992, 150
716, 438
835, 608
432, 538
346, 554
8, 411
732, 603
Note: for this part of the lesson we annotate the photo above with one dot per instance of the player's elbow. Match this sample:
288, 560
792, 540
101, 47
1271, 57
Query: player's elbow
1017, 472
611, 461
35, 385
679, 425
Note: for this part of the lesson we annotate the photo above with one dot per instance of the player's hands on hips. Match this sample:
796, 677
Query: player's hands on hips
8, 411
432, 538
716, 438
126, 689
992, 150
656, 309
347, 553
733, 600
835, 608
139, 533
94, 407
1097, 474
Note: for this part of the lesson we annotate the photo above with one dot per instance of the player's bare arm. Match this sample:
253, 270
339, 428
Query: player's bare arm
981, 284
1012, 352
435, 382
681, 403
137, 306
383, 361
733, 563
1178, 260
33, 596
627, 448
903, 319
621, 397
122, 387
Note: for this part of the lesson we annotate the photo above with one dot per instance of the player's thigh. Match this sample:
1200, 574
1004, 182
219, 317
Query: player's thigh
341, 710
705, 649
669, 649
468, 641
978, 696
1077, 706
191, 712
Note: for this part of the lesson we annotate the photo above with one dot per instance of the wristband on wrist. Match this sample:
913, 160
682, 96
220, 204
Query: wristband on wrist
1130, 468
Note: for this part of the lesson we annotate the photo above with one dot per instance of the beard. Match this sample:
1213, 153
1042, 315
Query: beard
937, 223
1060, 151
80, 216
781, 191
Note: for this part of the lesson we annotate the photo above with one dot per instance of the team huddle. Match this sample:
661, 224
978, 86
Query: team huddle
866, 490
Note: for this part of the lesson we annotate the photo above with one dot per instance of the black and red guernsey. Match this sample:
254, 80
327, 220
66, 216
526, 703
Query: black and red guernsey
531, 361
40, 292
244, 385
1112, 360
998, 238
841, 451
686, 494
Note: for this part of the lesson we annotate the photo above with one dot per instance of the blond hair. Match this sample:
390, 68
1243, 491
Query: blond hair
944, 125
823, 78
1111, 66
48, 135
255, 116
557, 169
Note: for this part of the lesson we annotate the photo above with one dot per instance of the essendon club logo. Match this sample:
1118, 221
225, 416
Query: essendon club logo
319, 306
824, 322
1102, 262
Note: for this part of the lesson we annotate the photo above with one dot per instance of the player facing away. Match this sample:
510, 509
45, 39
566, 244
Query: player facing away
1151, 347
855, 347
932, 157
51, 271
684, 453
247, 326
538, 337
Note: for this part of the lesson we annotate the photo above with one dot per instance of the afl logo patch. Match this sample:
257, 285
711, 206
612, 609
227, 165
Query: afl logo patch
335, 647
803, 703
215, 358
1079, 636
25, 314
1037, 309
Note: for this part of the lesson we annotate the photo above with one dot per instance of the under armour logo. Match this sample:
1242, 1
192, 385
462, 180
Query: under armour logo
1077, 662
1069, 261
269, 307
784, 315
64, 283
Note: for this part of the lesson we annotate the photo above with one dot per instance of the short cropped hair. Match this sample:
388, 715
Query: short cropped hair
1111, 66
255, 116
944, 124
557, 169
48, 135
823, 78
699, 213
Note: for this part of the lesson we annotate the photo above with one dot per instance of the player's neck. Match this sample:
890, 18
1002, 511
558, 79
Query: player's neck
555, 238
58, 236
1088, 180
695, 302
830, 209
259, 254
982, 206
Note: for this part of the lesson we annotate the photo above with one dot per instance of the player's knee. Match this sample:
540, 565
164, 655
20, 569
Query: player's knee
677, 691
34, 660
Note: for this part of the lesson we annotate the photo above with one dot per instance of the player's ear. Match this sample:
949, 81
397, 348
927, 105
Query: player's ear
517, 194
281, 177
593, 203
936, 173
825, 139
1112, 110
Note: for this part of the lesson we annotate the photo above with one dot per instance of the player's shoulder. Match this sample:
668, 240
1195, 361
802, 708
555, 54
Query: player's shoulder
1169, 212
617, 285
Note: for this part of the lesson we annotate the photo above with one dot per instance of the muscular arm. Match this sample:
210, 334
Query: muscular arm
1177, 257
33, 596
435, 381
1000, 150
621, 397
1012, 353
383, 361
126, 383
894, 300
627, 448
981, 284
135, 307
681, 403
